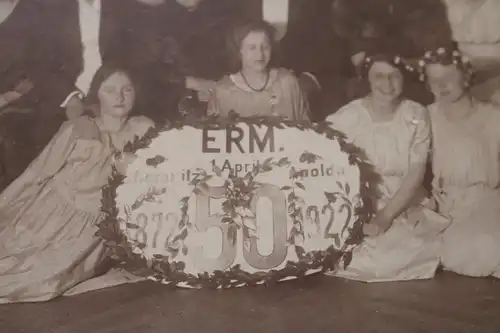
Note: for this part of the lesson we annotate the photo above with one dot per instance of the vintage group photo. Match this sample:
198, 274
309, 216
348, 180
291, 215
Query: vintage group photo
221, 154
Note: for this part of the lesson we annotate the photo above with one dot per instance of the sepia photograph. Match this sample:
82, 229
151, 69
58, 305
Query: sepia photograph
240, 166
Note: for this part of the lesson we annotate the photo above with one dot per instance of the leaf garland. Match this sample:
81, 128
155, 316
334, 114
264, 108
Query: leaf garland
166, 270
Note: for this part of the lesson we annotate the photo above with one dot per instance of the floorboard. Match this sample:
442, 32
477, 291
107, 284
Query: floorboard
446, 304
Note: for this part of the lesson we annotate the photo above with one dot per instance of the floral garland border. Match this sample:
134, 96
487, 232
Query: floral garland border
121, 251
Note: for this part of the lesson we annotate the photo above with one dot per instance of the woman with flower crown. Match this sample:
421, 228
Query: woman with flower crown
256, 88
466, 165
402, 238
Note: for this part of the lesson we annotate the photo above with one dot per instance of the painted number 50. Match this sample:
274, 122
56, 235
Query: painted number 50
205, 220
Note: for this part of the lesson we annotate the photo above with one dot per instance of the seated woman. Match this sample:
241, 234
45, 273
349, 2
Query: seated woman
466, 165
402, 242
49, 215
255, 88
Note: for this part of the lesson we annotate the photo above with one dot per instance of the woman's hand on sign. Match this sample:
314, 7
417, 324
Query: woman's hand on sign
123, 161
371, 230
203, 87
379, 224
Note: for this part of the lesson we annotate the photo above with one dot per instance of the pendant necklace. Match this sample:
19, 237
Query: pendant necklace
252, 88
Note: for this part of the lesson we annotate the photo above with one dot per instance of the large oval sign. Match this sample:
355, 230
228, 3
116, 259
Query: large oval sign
234, 205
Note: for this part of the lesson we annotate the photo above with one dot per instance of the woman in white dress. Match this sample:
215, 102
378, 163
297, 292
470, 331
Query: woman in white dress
403, 236
49, 215
466, 166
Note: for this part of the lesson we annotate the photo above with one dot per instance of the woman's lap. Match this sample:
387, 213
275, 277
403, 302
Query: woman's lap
399, 254
471, 245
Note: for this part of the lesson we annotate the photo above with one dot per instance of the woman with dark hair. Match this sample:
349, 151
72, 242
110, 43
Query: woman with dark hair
466, 165
394, 133
49, 215
256, 88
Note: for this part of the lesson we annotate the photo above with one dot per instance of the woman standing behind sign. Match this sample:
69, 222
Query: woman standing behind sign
256, 88
402, 242
48, 215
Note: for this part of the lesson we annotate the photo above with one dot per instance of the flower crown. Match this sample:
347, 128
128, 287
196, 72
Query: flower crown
395, 60
445, 56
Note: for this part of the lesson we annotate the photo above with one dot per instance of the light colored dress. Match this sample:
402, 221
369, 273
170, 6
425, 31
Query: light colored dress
48, 215
467, 187
281, 97
408, 250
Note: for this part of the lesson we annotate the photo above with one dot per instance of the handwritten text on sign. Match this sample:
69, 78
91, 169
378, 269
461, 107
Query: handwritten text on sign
282, 207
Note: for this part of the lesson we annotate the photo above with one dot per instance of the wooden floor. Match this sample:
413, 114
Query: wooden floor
447, 304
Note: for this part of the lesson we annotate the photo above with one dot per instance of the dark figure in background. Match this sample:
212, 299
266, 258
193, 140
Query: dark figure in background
310, 47
133, 34
200, 28
414, 26
29, 81
83, 35
88, 33
152, 56
167, 46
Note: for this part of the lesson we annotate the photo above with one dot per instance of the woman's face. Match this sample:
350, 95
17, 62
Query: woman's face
256, 51
446, 82
386, 81
117, 95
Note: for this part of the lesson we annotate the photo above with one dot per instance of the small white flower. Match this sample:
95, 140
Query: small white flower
421, 63
136, 250
427, 54
274, 100
456, 53
397, 60
238, 220
250, 223
244, 212
441, 50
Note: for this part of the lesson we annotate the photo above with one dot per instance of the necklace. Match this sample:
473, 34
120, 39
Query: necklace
252, 88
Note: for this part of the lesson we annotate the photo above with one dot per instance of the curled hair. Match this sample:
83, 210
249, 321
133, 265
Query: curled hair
447, 56
238, 34
91, 101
